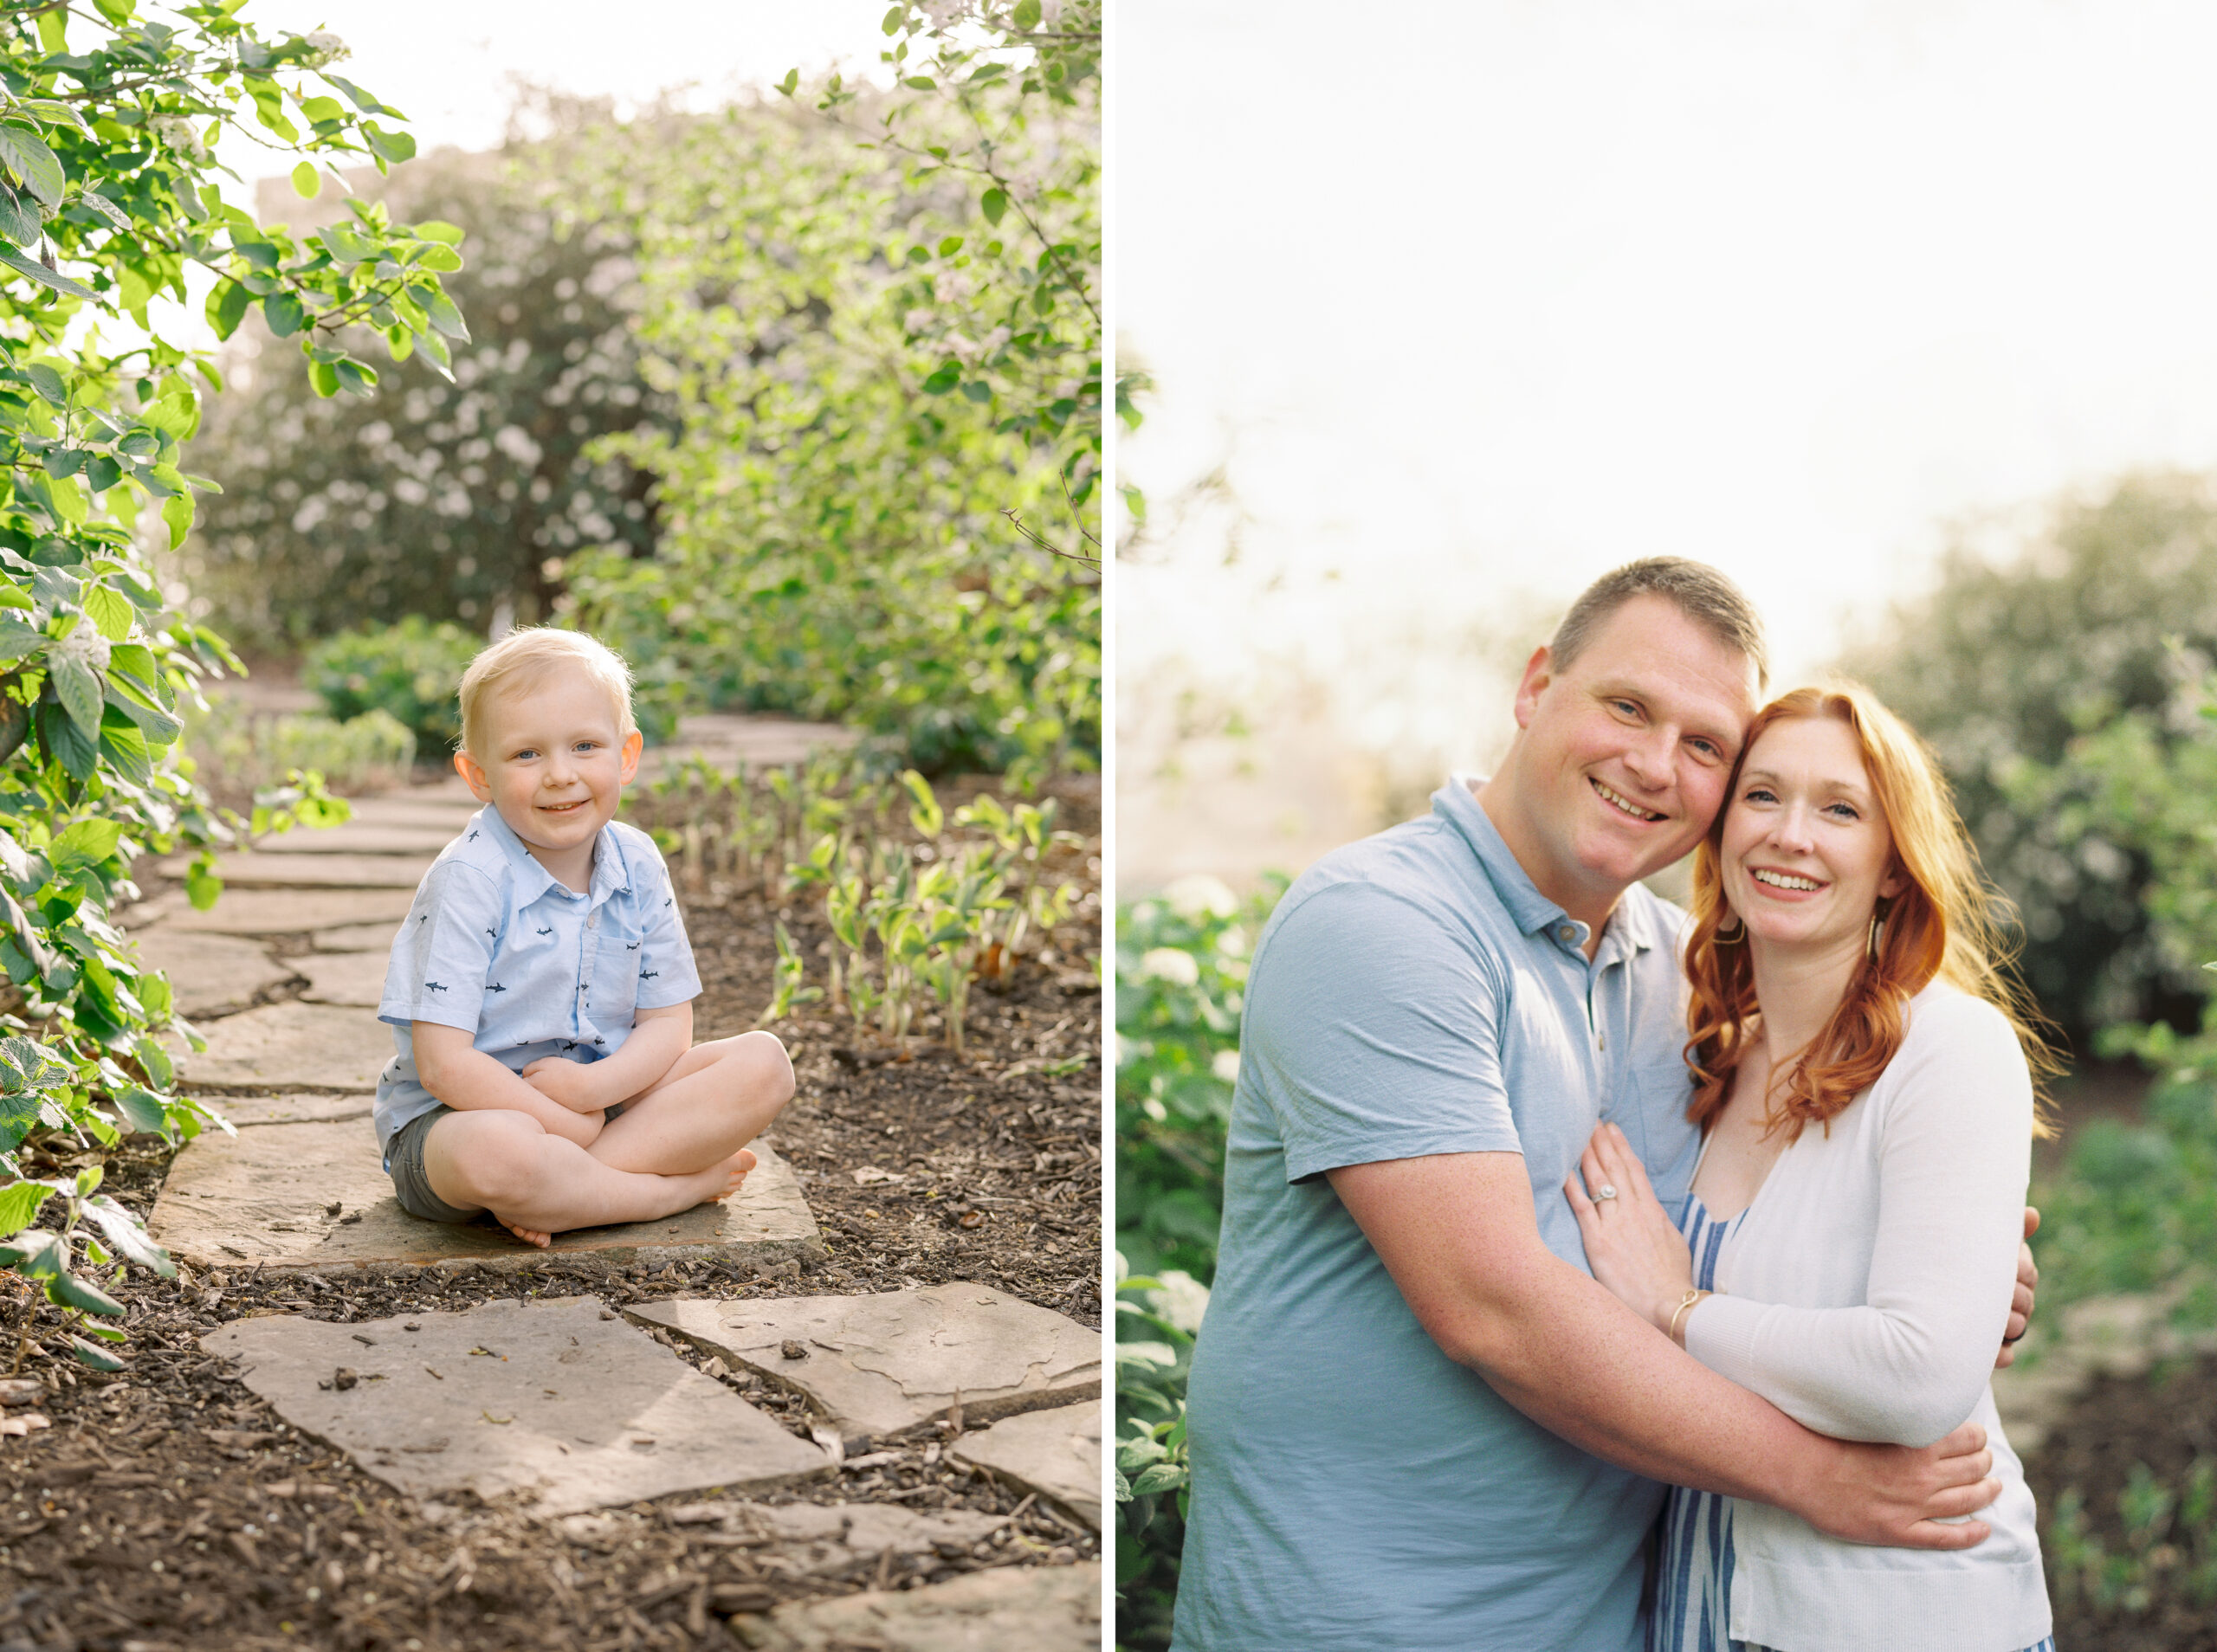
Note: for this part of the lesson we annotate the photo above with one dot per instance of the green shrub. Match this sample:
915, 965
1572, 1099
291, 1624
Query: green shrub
240, 753
408, 671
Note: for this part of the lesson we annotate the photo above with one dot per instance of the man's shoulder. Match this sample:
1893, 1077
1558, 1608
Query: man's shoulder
1413, 890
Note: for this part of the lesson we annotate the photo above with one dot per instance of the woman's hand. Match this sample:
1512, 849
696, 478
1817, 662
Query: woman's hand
1632, 1244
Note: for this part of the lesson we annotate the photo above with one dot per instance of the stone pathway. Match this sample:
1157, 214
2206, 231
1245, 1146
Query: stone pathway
1040, 1608
2114, 1336
559, 1404
890, 1364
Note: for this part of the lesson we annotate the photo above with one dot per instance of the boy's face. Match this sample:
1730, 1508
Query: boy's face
554, 764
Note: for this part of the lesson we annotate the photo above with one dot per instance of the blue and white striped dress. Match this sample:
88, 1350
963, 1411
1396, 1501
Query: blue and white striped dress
1693, 1595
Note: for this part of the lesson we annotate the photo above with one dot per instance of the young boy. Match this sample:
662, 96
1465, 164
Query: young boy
540, 990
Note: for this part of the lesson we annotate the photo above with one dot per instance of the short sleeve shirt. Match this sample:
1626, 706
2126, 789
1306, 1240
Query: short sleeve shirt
494, 944
1355, 1488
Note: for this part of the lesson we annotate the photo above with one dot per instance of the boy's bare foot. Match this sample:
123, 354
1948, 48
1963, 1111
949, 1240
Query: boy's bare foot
735, 1168
529, 1236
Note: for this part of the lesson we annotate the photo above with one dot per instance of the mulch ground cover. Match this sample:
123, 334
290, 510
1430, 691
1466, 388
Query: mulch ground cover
168, 1507
2167, 1420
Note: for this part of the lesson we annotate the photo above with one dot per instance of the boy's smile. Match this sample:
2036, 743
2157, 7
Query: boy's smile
555, 766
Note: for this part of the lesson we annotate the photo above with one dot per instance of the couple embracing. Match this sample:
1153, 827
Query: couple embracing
1601, 1277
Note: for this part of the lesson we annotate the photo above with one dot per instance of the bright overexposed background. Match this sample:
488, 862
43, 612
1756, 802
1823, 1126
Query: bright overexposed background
1457, 306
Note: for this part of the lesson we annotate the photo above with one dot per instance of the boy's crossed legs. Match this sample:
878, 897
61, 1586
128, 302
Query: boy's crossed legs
676, 1143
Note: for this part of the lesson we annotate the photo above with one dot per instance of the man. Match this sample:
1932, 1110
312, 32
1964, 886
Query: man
1416, 1421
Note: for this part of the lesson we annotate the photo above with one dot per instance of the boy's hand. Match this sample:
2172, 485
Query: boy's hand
566, 1083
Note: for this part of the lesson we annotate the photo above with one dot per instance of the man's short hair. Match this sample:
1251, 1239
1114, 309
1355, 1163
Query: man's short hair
1698, 592
530, 654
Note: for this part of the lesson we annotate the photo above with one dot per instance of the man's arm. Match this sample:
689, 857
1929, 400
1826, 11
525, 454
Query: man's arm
452, 1068
658, 1037
1457, 1234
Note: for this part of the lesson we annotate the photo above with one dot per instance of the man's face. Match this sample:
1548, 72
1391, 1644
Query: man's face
1626, 751
555, 764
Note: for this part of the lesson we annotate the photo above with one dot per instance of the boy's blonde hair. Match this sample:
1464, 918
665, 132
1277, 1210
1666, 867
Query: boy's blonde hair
530, 654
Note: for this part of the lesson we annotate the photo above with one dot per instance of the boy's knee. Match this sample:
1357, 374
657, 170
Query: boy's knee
766, 1069
493, 1158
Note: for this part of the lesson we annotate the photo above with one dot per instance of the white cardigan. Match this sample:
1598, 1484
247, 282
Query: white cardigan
1864, 1295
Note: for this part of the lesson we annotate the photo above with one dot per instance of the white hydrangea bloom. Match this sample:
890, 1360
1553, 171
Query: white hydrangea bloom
1200, 896
1226, 1066
86, 644
327, 47
1168, 964
1182, 1300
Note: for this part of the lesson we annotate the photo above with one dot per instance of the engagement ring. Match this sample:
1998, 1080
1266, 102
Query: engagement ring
1604, 1192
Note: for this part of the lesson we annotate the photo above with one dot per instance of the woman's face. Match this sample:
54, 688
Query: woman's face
1807, 851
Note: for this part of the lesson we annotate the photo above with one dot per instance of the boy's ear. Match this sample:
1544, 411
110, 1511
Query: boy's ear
480, 786
633, 743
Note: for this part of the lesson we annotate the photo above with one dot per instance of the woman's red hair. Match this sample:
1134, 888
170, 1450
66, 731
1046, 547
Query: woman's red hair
1945, 924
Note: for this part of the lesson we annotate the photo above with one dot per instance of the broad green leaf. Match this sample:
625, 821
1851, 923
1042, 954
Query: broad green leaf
437, 256
438, 229
110, 611
19, 1201
284, 313
1026, 15
323, 377
78, 690
142, 1110
48, 383
156, 1061
227, 307
306, 183
19, 219
98, 1358
126, 1233
35, 1254
40, 274
202, 888
27, 156
362, 100
86, 843
176, 516
356, 378
67, 1290
390, 146
993, 204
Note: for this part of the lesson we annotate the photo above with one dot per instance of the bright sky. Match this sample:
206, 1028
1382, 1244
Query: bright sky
1481, 300
448, 63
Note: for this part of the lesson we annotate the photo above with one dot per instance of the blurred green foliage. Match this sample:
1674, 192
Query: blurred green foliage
2005, 664
410, 671
239, 753
878, 497
444, 497
1181, 974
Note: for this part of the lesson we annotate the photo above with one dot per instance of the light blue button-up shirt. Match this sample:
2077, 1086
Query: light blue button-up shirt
495, 945
1353, 1487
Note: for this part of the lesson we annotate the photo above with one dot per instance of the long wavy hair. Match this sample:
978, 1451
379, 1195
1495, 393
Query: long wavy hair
1946, 923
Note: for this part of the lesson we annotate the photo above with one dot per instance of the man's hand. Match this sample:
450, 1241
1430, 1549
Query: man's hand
1904, 1497
2020, 1304
564, 1083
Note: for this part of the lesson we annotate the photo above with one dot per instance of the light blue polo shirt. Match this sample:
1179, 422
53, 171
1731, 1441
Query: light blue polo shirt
1354, 1489
494, 944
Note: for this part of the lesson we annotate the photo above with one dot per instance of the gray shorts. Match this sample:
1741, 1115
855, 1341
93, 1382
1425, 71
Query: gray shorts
409, 1181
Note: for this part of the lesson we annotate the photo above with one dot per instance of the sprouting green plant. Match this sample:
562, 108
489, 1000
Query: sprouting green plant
924, 813
790, 974
30, 1076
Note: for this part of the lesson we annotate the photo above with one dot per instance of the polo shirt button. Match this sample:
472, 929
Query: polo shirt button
1567, 933
592, 920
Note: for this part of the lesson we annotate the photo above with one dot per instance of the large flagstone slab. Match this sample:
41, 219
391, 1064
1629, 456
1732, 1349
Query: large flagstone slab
1040, 1608
362, 837
355, 937
259, 871
545, 1400
264, 1195
210, 975
321, 1108
278, 912
289, 1046
356, 979
886, 1362
1057, 1453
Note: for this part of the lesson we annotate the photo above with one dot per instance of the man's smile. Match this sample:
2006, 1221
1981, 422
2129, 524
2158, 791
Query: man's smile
1623, 805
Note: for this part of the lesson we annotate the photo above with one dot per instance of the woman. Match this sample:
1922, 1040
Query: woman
1861, 1077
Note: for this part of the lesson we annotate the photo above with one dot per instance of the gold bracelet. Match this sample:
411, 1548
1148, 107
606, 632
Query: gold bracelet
1679, 1313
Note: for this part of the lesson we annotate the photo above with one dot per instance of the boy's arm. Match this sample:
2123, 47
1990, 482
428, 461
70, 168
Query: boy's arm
452, 1068
658, 1037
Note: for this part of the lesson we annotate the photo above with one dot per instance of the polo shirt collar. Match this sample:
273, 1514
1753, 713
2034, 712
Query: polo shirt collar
1630, 930
533, 880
